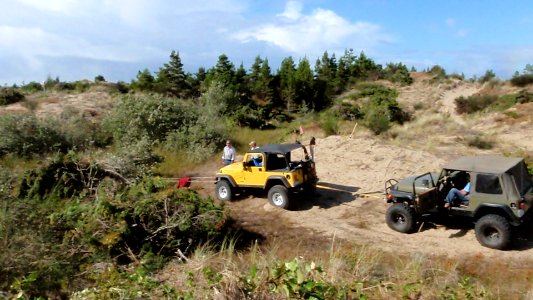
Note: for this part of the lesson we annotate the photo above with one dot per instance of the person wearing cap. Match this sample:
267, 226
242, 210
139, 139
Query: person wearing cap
253, 145
256, 157
228, 155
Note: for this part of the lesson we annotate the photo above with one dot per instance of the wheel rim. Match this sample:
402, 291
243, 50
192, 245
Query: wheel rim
399, 219
492, 234
277, 199
223, 192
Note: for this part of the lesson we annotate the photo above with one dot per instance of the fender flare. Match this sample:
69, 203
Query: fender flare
228, 178
277, 177
498, 209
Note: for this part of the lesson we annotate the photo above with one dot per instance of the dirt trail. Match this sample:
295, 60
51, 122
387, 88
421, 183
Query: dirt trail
447, 100
349, 203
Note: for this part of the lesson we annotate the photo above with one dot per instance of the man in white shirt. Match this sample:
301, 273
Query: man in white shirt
228, 155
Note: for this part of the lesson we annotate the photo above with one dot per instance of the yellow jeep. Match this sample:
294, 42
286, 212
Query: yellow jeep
280, 169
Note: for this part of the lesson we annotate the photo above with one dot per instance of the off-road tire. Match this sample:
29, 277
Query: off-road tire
401, 218
223, 190
278, 196
493, 231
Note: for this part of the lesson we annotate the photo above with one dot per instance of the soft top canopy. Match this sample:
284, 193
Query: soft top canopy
484, 164
276, 148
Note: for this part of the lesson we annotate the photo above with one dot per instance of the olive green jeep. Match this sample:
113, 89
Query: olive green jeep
280, 169
500, 198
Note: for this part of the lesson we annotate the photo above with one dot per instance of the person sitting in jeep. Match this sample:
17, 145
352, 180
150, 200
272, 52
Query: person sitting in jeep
455, 194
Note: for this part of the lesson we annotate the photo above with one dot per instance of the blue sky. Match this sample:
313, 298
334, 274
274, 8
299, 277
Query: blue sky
76, 40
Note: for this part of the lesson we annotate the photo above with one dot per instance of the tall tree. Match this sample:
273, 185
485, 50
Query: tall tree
325, 71
144, 81
171, 78
287, 83
304, 84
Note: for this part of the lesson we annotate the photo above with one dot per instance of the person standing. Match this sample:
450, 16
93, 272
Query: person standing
228, 154
312, 144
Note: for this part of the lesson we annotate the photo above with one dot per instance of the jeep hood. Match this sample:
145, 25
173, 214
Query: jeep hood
422, 183
236, 166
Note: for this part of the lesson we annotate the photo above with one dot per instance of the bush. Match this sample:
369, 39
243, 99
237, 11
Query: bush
25, 135
474, 103
146, 116
480, 143
522, 80
32, 87
377, 119
10, 95
329, 122
74, 221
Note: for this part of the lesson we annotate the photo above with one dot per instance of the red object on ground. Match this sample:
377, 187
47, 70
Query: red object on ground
183, 182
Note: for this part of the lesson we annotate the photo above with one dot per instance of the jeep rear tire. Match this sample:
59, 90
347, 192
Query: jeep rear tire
279, 196
224, 190
493, 231
401, 218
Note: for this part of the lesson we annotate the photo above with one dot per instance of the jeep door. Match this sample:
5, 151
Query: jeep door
254, 175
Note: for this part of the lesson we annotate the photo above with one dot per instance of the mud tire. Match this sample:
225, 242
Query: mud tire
401, 218
493, 231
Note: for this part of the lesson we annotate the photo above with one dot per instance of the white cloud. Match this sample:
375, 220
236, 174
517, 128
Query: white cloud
311, 34
292, 11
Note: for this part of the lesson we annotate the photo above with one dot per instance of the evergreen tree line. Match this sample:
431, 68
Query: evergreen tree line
294, 86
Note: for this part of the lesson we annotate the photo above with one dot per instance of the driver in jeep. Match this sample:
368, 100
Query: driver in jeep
455, 194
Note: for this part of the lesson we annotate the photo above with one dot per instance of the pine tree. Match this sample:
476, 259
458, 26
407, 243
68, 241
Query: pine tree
287, 83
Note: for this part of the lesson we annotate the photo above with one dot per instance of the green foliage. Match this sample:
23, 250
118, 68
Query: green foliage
99, 78
10, 95
25, 135
72, 217
348, 111
381, 108
438, 73
31, 87
477, 103
300, 280
145, 116
397, 73
329, 122
480, 143
522, 80
472, 104
488, 76
377, 119
144, 81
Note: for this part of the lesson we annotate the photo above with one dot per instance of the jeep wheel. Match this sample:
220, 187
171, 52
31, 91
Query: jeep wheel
278, 196
224, 191
401, 218
493, 231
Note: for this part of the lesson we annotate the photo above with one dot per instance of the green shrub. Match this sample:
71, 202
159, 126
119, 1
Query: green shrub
348, 111
522, 80
73, 221
10, 95
32, 87
25, 135
329, 122
473, 103
146, 116
377, 119
480, 143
